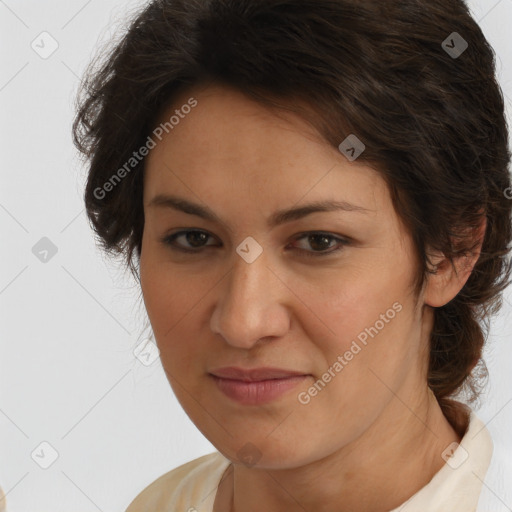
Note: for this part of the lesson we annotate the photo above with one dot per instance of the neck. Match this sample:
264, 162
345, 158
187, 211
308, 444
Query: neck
397, 456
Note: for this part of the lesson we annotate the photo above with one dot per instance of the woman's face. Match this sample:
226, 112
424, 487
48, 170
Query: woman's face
337, 308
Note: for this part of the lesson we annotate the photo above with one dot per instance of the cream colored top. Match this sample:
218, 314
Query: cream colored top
456, 487
2, 500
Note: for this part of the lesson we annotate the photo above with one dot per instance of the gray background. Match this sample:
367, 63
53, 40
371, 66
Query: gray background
68, 374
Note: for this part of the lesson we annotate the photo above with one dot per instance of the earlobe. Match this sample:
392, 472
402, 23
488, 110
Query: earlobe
445, 279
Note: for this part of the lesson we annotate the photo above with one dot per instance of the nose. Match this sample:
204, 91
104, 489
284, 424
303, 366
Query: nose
252, 304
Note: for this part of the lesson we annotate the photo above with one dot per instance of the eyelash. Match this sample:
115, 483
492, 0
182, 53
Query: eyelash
169, 240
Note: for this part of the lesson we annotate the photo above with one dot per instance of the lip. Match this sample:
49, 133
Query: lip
254, 374
255, 386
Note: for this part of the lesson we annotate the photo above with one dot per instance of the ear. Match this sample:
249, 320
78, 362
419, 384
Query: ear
446, 282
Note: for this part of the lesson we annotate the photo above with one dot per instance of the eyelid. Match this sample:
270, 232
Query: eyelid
342, 241
171, 237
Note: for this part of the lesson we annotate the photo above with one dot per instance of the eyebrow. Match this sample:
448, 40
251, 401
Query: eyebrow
277, 218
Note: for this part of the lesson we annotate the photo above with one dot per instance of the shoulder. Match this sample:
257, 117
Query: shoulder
495, 476
188, 487
2, 500
497, 491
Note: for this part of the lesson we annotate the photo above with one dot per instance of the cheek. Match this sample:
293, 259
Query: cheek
169, 291
354, 302
367, 325
174, 300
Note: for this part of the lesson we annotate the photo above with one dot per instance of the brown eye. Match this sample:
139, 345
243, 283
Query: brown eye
320, 243
194, 240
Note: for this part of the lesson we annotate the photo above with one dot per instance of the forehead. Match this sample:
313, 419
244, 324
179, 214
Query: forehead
230, 144
224, 118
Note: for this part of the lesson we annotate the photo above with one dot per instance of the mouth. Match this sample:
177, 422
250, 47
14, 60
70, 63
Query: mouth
256, 386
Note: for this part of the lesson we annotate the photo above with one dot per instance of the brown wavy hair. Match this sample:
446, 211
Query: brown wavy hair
433, 125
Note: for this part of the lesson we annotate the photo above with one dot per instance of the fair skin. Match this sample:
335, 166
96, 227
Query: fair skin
374, 435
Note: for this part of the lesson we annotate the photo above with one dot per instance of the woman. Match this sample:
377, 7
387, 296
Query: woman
313, 194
